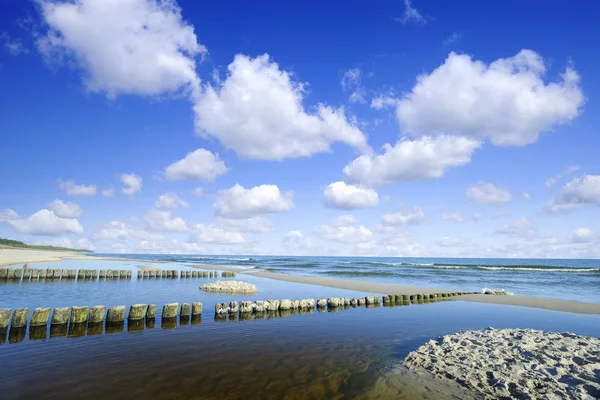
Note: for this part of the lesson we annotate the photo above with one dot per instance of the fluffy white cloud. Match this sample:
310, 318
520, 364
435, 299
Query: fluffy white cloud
169, 201
257, 111
487, 193
294, 242
399, 218
46, 222
383, 101
163, 221
583, 235
72, 189
82, 244
456, 217
452, 241
255, 224
553, 180
129, 46
8, 214
506, 102
65, 209
211, 234
132, 184
576, 193
349, 197
198, 192
522, 227
411, 14
108, 192
122, 231
409, 160
241, 203
342, 230
198, 165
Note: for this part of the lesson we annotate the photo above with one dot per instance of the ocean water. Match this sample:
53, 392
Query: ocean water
554, 278
346, 354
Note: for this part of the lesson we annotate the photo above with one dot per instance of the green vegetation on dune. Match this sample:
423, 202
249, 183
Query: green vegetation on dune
15, 244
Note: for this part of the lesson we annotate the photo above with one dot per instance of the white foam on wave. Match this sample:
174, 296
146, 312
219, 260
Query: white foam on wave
573, 270
449, 267
496, 291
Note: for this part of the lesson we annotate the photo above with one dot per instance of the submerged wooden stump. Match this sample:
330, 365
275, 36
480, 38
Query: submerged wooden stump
115, 314
4, 317
79, 315
40, 317
20, 318
60, 315
97, 314
137, 311
170, 310
151, 311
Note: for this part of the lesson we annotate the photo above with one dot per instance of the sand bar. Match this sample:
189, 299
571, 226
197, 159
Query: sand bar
26, 256
389, 288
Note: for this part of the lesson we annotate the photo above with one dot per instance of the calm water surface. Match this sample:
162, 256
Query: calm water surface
323, 355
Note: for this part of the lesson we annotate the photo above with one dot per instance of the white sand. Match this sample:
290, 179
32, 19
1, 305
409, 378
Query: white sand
514, 363
27, 256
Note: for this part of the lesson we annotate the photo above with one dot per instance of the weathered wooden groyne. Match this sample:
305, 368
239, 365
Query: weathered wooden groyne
48, 275
112, 317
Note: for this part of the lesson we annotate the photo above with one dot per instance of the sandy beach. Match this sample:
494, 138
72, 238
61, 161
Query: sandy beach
26, 256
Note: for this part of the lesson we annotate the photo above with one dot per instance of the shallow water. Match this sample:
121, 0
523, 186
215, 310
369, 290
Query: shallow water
323, 355
571, 279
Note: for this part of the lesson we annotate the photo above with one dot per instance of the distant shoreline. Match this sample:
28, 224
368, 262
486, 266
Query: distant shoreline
18, 256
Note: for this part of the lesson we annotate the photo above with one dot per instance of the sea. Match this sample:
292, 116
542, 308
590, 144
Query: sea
567, 279
345, 353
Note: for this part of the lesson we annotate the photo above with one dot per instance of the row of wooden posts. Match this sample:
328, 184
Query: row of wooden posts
34, 274
75, 321
81, 314
96, 314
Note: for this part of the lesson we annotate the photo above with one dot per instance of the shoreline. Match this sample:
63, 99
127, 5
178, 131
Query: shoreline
13, 257
17, 256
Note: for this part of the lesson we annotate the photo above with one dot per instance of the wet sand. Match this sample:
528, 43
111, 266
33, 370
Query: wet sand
26, 256
388, 288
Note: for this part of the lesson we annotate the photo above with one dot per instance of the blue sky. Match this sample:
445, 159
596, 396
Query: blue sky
377, 128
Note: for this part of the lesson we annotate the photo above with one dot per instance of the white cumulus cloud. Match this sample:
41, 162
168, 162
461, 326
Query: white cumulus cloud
254, 224
129, 46
553, 180
257, 111
123, 231
399, 218
409, 160
576, 193
294, 242
8, 214
132, 184
343, 230
522, 227
64, 209
583, 235
506, 101
456, 217
487, 193
46, 222
108, 192
163, 221
211, 234
169, 201
349, 197
238, 202
198, 165
72, 189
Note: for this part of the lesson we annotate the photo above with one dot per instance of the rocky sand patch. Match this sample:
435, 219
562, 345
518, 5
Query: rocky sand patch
514, 363
229, 287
